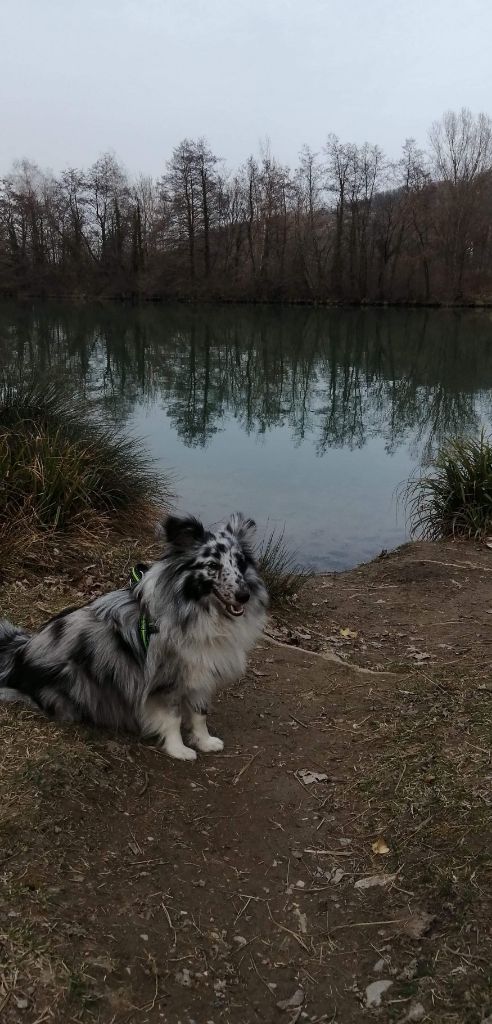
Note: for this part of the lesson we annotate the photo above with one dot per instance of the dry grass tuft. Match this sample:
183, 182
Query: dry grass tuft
283, 576
453, 498
67, 479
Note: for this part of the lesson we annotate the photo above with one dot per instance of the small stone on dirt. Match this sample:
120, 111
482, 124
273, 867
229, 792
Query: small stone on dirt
417, 1012
375, 991
183, 977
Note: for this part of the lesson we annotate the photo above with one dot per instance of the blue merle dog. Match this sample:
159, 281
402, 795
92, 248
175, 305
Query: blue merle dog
148, 659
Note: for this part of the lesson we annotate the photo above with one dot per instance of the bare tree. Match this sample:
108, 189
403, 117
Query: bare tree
310, 220
346, 225
340, 158
461, 148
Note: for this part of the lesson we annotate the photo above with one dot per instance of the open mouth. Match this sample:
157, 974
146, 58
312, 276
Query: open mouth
231, 607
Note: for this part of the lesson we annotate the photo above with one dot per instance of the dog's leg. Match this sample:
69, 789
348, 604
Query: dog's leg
199, 734
162, 719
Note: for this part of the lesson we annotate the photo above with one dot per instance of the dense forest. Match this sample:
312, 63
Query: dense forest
346, 225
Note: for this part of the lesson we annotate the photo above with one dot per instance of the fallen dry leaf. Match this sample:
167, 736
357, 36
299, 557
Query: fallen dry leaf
349, 634
308, 777
290, 1004
372, 880
337, 876
418, 924
417, 1012
375, 990
380, 847
418, 656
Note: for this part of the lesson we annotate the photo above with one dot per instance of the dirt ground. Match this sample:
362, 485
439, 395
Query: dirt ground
333, 864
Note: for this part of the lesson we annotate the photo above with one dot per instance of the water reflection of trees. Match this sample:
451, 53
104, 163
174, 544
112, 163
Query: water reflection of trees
341, 376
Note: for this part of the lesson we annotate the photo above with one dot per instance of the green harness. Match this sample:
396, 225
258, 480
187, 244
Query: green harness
145, 627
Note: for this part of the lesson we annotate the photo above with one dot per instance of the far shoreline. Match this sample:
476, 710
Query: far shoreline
199, 300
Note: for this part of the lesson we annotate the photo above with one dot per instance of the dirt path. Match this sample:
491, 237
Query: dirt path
136, 889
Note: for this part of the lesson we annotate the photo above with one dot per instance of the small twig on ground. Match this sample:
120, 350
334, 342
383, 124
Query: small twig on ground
288, 930
368, 924
401, 776
304, 726
5, 1000
456, 565
325, 656
150, 1006
304, 650
240, 949
244, 769
332, 853
260, 976
145, 786
168, 918
244, 896
306, 790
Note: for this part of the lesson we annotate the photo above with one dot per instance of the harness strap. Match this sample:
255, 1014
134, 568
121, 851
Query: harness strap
145, 627
137, 573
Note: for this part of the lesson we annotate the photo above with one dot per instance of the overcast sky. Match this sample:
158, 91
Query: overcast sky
78, 77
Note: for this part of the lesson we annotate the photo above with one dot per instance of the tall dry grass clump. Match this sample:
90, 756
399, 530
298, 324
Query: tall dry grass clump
283, 576
453, 498
62, 472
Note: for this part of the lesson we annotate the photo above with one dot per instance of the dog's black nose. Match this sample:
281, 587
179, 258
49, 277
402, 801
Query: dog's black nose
242, 595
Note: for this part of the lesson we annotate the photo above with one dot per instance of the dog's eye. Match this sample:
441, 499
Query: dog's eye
214, 567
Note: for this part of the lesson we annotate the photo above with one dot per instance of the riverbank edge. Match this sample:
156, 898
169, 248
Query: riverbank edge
202, 300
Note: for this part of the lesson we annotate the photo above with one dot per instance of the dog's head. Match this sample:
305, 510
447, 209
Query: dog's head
216, 566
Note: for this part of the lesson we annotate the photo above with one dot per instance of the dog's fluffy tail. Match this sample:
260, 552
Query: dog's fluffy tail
10, 634
11, 640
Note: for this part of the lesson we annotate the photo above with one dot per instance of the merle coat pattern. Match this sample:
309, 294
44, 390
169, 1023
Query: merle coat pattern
206, 606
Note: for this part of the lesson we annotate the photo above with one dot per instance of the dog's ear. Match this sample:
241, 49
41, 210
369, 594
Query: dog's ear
243, 528
183, 533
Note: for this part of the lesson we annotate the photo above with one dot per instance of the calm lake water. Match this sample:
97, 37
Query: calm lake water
302, 418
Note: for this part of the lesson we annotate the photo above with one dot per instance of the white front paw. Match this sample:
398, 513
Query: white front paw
208, 744
179, 751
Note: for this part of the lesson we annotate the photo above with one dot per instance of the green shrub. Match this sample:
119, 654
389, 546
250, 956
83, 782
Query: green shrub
453, 498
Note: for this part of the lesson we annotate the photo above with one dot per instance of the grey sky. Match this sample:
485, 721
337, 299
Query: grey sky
78, 77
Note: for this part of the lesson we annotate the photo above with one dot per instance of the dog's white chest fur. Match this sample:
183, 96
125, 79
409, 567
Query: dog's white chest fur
215, 651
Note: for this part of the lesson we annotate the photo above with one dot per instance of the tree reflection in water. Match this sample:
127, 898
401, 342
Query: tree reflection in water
336, 376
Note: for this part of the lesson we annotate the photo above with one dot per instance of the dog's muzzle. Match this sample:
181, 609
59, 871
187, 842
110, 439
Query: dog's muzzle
235, 608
